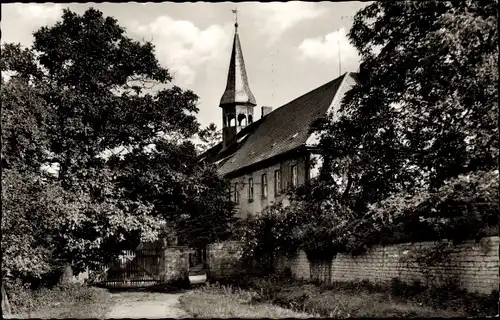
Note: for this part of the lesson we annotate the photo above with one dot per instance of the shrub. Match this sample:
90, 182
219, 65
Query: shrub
217, 301
446, 296
393, 299
464, 208
23, 299
273, 231
399, 288
322, 224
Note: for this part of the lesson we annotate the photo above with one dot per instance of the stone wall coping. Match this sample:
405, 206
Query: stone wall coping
180, 248
233, 242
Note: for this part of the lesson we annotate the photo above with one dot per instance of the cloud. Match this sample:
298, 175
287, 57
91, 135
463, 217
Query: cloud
181, 46
276, 18
325, 49
40, 14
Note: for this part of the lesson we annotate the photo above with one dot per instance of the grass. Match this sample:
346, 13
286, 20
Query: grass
395, 299
341, 300
360, 303
68, 301
228, 302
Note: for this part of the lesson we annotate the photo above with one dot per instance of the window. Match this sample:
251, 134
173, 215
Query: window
250, 190
294, 179
315, 164
235, 193
277, 182
231, 119
264, 186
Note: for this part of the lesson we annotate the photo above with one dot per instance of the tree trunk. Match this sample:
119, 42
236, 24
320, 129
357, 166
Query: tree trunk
348, 187
67, 275
5, 302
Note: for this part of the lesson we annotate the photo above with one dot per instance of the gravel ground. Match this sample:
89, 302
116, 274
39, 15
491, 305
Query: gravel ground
150, 305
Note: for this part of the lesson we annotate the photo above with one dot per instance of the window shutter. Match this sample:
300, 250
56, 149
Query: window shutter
250, 189
264, 186
277, 182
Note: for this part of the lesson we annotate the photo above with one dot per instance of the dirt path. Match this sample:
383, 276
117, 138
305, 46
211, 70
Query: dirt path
149, 305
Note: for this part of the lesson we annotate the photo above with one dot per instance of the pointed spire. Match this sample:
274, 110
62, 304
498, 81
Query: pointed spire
237, 88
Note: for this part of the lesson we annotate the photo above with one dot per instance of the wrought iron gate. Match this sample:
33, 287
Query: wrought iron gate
132, 270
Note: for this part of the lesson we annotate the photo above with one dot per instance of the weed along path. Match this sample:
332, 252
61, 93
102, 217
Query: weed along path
143, 304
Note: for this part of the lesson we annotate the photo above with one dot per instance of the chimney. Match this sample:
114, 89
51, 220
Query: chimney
266, 110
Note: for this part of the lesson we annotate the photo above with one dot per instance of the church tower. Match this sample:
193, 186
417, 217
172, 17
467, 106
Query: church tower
237, 102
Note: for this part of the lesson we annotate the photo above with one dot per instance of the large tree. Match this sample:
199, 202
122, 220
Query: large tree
188, 194
86, 100
426, 109
32, 211
420, 130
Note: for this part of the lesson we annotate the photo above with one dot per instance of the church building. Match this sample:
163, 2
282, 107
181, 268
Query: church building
263, 158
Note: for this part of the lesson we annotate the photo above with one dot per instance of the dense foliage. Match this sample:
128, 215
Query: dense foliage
417, 139
95, 150
63, 301
412, 154
265, 235
426, 108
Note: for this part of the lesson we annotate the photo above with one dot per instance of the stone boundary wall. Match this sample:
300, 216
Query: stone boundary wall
474, 266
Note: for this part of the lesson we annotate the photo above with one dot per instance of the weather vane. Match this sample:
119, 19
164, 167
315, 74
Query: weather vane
235, 11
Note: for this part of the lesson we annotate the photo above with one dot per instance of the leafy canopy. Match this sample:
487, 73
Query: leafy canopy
96, 107
425, 110
426, 107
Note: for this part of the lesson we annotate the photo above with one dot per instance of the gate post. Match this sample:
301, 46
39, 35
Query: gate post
174, 260
174, 265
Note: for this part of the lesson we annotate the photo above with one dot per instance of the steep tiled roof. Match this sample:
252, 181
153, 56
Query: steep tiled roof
282, 130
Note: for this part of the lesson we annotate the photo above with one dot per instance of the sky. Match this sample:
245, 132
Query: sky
289, 48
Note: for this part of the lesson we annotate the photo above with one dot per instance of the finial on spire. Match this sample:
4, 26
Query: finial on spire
235, 11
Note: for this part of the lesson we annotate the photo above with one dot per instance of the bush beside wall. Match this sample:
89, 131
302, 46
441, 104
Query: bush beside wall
80, 300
